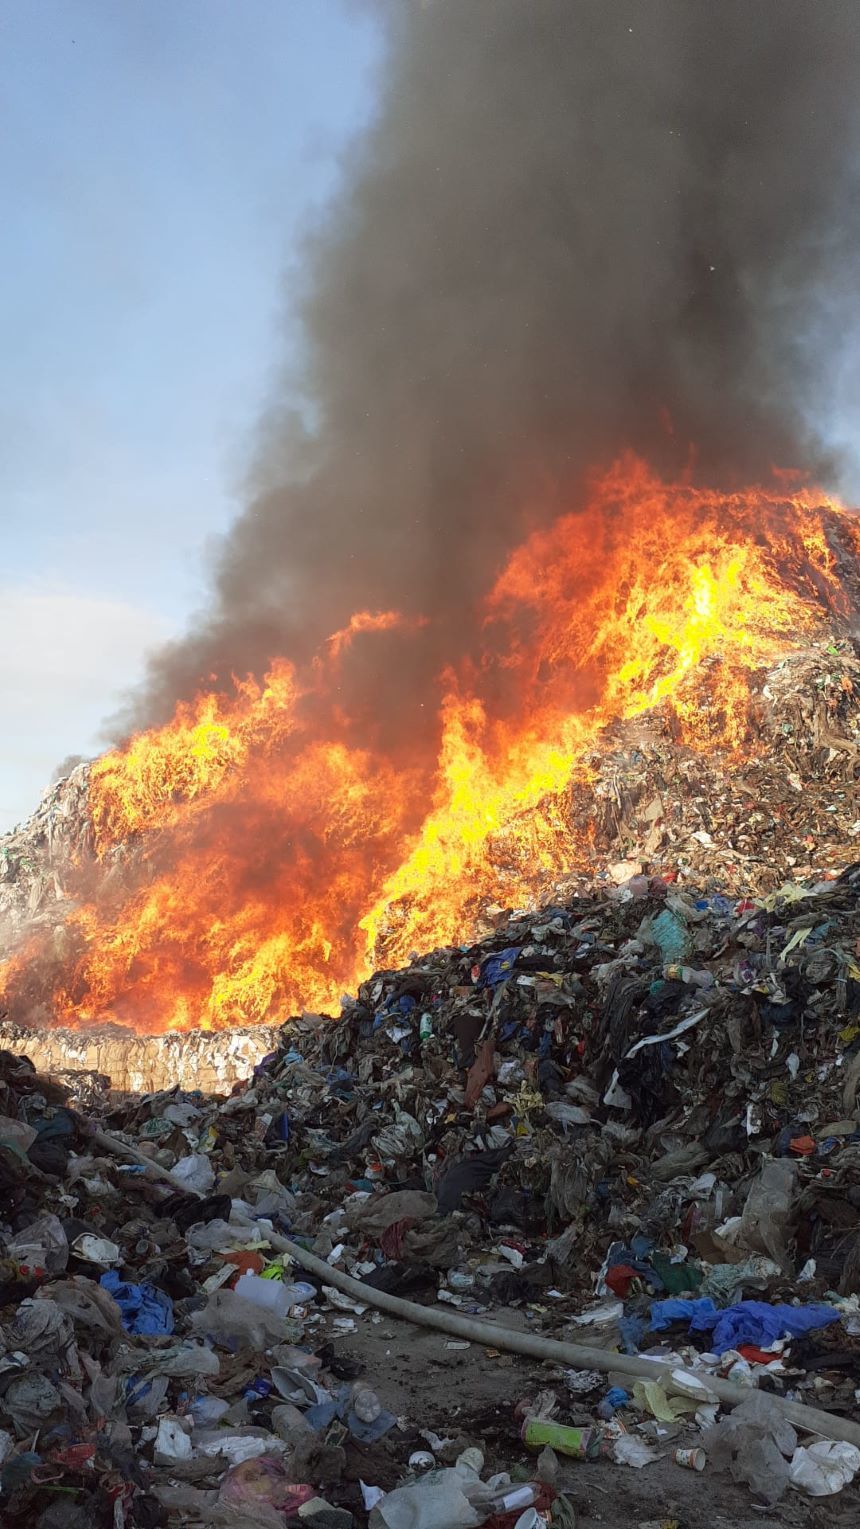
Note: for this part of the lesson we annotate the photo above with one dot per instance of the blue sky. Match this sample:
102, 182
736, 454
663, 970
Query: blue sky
159, 160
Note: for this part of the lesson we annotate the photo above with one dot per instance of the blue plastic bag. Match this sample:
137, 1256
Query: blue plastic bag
748, 1322
498, 968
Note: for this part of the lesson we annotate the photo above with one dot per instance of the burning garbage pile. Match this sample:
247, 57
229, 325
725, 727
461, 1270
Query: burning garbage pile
611, 1156
501, 664
666, 674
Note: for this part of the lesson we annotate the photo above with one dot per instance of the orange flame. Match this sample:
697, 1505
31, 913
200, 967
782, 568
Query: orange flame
369, 621
252, 860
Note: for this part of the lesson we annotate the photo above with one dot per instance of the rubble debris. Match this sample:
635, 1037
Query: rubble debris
558, 1124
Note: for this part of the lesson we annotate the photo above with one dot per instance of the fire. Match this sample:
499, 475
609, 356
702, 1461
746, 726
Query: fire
260, 853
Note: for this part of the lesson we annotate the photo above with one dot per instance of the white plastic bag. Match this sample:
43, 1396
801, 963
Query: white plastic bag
172, 1442
436, 1501
195, 1172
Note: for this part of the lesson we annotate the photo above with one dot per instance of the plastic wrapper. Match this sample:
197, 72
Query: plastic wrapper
237, 1444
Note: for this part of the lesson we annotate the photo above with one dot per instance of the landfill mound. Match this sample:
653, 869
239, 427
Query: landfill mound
38, 859
625, 1133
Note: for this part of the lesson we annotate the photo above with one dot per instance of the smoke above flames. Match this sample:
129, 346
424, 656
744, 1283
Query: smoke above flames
548, 465
574, 226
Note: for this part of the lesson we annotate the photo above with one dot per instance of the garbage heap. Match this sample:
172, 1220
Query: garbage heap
38, 858
631, 1122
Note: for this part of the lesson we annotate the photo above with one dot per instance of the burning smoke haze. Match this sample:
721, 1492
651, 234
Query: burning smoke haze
576, 226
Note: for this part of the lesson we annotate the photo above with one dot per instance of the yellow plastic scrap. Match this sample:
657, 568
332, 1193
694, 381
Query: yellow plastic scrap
650, 1396
789, 892
799, 937
527, 1099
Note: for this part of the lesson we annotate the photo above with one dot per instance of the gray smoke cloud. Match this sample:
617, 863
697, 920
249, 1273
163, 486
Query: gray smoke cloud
575, 226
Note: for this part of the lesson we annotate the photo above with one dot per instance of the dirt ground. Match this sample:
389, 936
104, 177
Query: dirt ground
468, 1394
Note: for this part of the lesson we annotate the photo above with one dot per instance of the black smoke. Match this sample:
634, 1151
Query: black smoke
575, 226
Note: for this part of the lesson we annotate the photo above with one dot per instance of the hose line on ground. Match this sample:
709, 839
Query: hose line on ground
573, 1355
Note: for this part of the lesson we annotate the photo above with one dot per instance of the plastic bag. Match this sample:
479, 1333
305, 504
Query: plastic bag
41, 1329
144, 1397
628, 1450
208, 1410
376, 1215
16, 1134
751, 1443
29, 1401
264, 1480
237, 1444
767, 1212
195, 1172
436, 1501
145, 1309
229, 1319
669, 932
43, 1244
185, 1361
172, 1443
86, 1303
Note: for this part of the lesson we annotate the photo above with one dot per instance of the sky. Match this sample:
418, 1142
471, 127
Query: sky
159, 162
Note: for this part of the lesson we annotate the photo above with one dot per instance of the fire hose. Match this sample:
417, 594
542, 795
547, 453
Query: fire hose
675, 1379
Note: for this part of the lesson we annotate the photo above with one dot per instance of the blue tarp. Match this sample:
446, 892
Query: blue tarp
144, 1309
753, 1322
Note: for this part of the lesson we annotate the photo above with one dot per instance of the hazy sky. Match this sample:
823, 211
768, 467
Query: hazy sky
159, 160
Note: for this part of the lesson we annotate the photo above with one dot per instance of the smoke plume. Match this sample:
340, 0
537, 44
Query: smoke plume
575, 226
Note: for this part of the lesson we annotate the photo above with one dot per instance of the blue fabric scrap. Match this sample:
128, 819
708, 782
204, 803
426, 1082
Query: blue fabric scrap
144, 1310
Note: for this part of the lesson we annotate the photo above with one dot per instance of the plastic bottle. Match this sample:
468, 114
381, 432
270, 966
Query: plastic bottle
689, 974
272, 1294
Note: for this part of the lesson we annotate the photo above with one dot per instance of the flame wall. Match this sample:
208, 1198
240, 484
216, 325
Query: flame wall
263, 851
